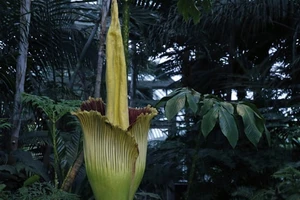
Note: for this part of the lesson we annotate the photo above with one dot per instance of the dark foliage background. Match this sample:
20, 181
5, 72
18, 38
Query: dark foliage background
248, 49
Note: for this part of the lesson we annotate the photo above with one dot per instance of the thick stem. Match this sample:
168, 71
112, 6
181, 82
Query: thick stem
193, 168
56, 157
67, 184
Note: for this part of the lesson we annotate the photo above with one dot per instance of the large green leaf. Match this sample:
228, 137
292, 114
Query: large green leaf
251, 127
188, 9
254, 109
209, 120
175, 104
25, 162
192, 102
2, 186
228, 126
11, 169
165, 99
261, 126
31, 180
207, 105
228, 106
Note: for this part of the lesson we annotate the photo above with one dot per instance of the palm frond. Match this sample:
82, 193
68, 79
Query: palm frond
58, 33
31, 166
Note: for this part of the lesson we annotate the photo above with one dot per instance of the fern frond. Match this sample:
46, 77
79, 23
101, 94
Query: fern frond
4, 124
263, 195
54, 110
34, 138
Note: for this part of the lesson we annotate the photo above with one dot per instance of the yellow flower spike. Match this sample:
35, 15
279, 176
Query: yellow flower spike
115, 139
116, 74
110, 155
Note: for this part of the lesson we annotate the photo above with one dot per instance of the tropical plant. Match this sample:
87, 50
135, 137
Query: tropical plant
4, 124
211, 110
64, 153
242, 47
190, 8
230, 118
286, 186
21, 67
53, 26
224, 52
38, 191
115, 137
14, 176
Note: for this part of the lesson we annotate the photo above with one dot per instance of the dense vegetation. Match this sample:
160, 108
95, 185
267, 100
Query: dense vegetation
222, 49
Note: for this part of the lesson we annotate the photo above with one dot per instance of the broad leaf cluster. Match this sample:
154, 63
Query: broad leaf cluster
213, 112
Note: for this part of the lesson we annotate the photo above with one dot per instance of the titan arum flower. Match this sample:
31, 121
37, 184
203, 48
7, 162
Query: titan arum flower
115, 136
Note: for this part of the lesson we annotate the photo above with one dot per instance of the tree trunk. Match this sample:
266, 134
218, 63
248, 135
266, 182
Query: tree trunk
103, 30
82, 54
20, 70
